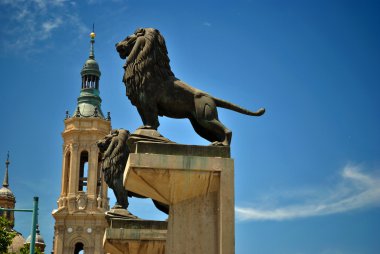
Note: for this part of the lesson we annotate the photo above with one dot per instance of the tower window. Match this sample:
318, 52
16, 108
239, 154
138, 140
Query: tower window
78, 248
66, 172
99, 176
83, 171
90, 81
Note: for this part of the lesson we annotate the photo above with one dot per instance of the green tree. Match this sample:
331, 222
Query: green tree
6, 234
26, 250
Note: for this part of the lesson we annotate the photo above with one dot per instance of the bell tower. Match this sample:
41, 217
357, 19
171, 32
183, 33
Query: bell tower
79, 219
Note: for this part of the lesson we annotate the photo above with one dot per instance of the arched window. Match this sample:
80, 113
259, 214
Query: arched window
99, 175
79, 248
65, 181
83, 171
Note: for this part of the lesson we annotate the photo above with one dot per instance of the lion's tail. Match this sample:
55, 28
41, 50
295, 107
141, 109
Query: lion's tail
228, 105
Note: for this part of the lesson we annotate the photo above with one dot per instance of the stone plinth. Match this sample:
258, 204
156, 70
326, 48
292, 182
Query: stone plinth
126, 236
198, 184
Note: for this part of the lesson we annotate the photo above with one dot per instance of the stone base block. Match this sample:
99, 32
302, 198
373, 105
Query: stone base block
135, 237
198, 184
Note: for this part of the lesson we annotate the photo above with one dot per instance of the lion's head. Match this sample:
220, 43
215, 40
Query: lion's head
147, 58
125, 47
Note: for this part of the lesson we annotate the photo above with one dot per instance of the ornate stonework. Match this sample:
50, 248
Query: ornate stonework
82, 201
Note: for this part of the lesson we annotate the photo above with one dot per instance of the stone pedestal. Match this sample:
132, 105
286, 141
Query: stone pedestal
135, 236
198, 184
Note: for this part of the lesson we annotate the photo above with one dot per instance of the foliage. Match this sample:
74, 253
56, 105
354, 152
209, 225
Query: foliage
26, 250
6, 234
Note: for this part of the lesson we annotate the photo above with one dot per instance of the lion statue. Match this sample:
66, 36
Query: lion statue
114, 156
152, 87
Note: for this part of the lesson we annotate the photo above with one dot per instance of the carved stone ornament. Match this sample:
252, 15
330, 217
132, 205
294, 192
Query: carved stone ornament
75, 147
82, 201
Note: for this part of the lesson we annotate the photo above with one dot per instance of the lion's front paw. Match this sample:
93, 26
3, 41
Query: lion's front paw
217, 143
146, 127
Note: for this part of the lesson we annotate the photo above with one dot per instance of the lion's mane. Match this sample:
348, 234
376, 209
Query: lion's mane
114, 157
152, 62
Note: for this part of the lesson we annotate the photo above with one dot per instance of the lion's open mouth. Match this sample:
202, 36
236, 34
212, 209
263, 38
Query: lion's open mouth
125, 47
122, 50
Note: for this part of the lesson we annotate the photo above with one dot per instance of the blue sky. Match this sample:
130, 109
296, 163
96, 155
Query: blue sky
307, 174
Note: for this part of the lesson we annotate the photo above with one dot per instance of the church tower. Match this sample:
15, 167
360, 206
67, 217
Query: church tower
79, 219
7, 199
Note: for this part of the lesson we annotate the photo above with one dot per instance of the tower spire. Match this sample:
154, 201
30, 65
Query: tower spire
5, 182
92, 41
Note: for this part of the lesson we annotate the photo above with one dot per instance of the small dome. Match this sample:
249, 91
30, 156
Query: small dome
90, 67
39, 239
91, 64
6, 193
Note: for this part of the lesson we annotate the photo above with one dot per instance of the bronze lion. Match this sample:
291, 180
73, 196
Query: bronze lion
155, 91
114, 150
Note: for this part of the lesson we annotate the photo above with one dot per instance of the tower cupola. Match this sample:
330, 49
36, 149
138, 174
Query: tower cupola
89, 101
39, 242
90, 72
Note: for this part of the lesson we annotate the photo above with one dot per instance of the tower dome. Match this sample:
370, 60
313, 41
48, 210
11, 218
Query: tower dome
90, 68
6, 193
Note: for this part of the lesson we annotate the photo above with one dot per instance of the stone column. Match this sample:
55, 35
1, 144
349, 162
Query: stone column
59, 236
74, 170
63, 191
92, 172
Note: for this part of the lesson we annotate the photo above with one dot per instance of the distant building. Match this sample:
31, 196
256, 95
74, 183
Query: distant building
39, 243
79, 220
8, 200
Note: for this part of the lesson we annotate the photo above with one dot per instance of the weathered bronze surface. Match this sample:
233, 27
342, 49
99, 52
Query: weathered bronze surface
152, 87
115, 152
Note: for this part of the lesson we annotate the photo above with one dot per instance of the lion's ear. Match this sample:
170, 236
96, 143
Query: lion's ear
140, 31
115, 132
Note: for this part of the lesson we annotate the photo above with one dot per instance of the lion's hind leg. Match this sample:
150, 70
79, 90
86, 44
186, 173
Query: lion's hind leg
212, 130
207, 124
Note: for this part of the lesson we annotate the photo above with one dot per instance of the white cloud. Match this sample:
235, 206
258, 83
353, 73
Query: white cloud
59, 2
51, 24
41, 3
355, 190
207, 24
30, 22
